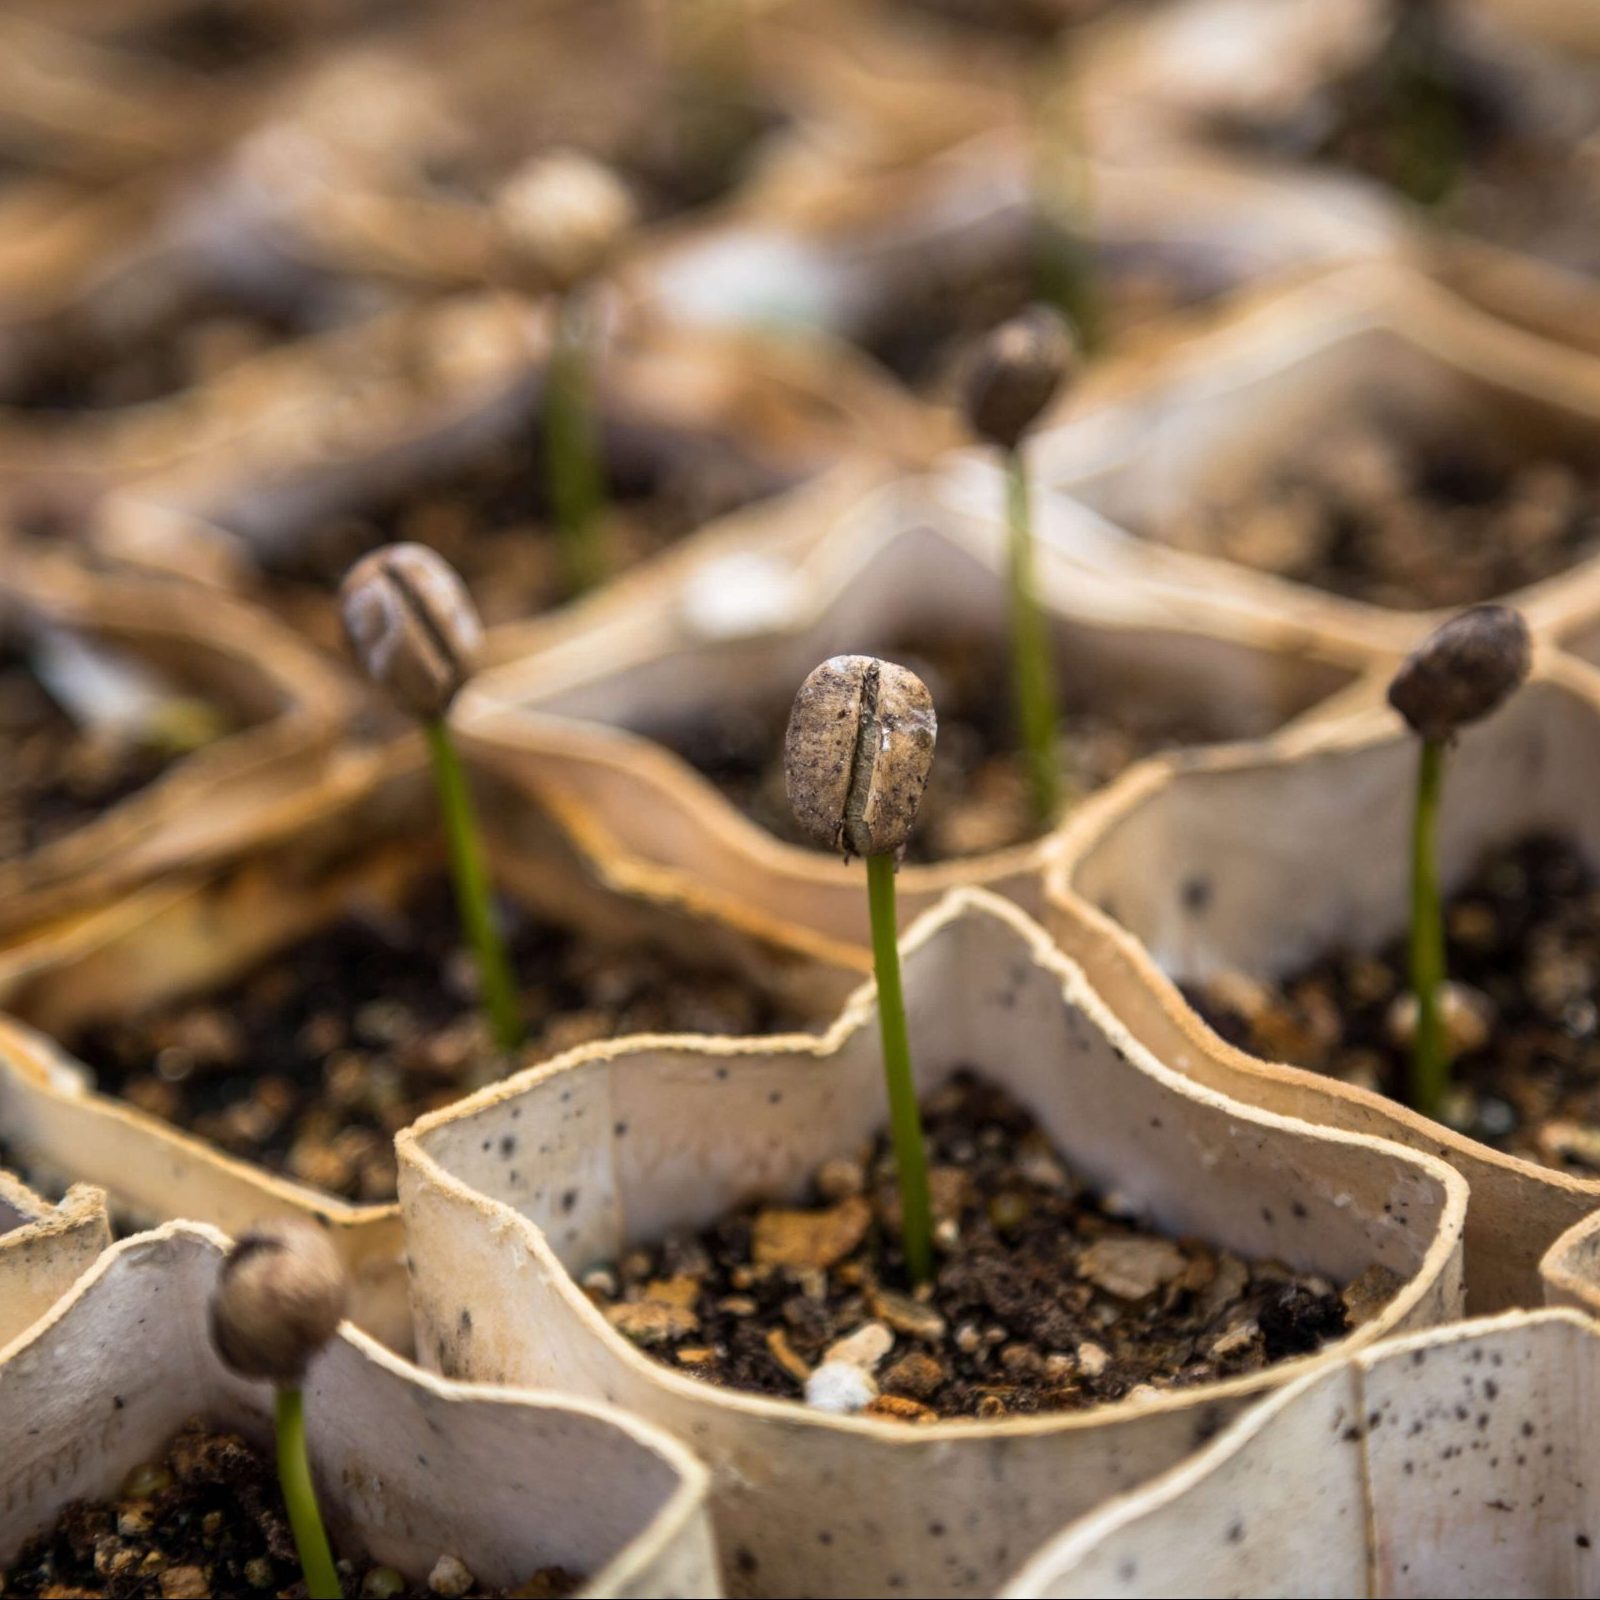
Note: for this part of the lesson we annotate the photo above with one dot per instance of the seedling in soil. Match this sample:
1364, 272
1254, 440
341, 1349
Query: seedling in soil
856, 758
1013, 376
415, 632
1459, 674
279, 1299
562, 220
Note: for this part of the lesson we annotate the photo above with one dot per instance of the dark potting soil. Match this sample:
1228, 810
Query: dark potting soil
56, 776
313, 1061
1379, 514
489, 516
207, 1518
88, 368
1046, 1297
977, 797
1523, 938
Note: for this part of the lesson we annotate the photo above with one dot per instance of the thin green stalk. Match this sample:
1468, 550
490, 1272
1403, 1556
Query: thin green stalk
300, 1499
1065, 267
905, 1120
572, 449
472, 889
1430, 1069
1423, 129
1032, 676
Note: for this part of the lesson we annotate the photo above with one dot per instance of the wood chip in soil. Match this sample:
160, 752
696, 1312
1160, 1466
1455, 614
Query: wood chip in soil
206, 1517
1047, 1297
1523, 947
312, 1062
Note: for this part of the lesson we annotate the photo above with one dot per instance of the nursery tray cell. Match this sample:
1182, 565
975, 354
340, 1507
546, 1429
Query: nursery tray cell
977, 799
1047, 1297
1386, 514
207, 1517
55, 775
488, 515
310, 1063
1523, 936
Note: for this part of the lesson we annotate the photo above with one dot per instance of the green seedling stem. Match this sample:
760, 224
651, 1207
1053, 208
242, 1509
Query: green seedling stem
572, 447
300, 1498
472, 889
905, 1120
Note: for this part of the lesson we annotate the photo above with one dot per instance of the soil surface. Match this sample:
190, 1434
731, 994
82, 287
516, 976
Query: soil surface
208, 1518
1047, 1297
56, 776
1523, 942
1376, 513
311, 1063
489, 517
977, 797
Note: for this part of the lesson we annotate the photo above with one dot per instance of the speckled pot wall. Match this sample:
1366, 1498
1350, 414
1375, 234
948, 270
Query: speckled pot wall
1456, 1462
511, 1193
1312, 828
408, 1467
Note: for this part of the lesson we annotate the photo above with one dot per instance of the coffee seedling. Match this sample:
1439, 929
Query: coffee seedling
562, 220
1459, 674
279, 1298
415, 632
1012, 376
856, 759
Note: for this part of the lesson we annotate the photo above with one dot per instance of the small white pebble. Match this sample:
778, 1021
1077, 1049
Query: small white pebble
840, 1388
450, 1577
600, 1280
1121, 1206
840, 1178
1092, 1360
864, 1348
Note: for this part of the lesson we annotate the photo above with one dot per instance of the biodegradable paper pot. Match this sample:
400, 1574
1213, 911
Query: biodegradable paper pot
1196, 71
857, 254
1571, 1267
1150, 436
45, 1248
305, 433
740, 629
402, 187
368, 832
510, 1194
1255, 860
1454, 1462
287, 702
408, 1467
